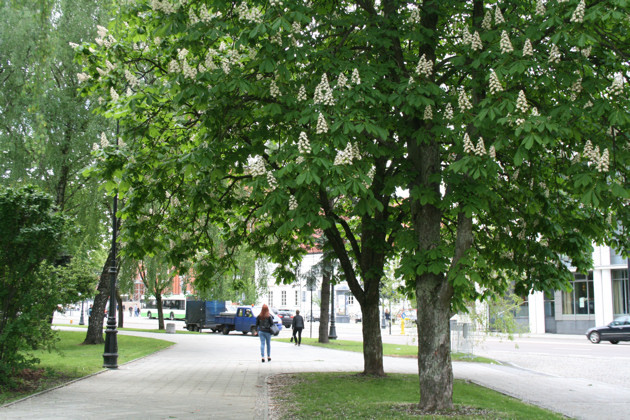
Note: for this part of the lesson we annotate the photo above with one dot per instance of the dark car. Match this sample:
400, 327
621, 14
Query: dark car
616, 331
286, 316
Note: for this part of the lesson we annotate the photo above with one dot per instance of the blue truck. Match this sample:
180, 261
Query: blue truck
213, 315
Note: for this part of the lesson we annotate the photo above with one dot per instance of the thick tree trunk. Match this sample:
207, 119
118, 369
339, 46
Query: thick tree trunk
121, 311
158, 300
372, 340
323, 310
95, 323
434, 344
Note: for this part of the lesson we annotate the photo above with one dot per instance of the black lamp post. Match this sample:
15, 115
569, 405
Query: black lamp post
333, 331
110, 356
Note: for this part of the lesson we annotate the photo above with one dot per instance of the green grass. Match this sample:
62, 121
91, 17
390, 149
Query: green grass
396, 350
346, 395
74, 360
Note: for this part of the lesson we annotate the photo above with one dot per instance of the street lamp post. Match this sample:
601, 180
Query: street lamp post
110, 356
333, 330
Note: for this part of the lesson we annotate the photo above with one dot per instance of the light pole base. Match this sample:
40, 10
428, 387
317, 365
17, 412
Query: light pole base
110, 356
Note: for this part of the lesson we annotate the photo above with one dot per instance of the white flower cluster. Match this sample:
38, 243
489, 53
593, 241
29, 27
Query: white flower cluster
466, 36
104, 38
276, 38
95, 147
256, 166
498, 16
104, 141
205, 16
576, 88
304, 146
476, 44
323, 92
578, 14
535, 112
274, 90
173, 67
602, 162
293, 204
113, 94
505, 44
342, 81
271, 180
253, 15
540, 8
424, 67
616, 88
322, 126
165, 6
347, 155
464, 101
209, 61
414, 17
182, 53
469, 147
554, 54
301, 96
131, 78
73, 45
492, 152
275, 2
480, 150
487, 21
448, 111
528, 50
586, 52
189, 71
495, 84
428, 113
82, 77
521, 102
355, 79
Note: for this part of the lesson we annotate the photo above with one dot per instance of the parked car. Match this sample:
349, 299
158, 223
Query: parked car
616, 331
286, 316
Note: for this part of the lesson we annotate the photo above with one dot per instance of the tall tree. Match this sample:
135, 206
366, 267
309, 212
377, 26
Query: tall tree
157, 275
505, 123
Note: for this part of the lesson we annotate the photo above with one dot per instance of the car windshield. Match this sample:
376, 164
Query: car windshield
622, 320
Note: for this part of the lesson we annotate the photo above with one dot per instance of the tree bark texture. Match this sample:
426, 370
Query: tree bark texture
372, 340
121, 311
158, 301
95, 324
324, 306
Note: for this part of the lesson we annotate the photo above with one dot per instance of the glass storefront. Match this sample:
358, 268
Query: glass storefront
620, 291
580, 300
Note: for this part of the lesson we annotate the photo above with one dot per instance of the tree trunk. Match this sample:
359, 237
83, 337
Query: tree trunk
95, 322
158, 300
372, 340
121, 311
323, 308
434, 344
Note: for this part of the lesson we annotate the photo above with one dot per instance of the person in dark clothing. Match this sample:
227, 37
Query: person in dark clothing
298, 326
263, 325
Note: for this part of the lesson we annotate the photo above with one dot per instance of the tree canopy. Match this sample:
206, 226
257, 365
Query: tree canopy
484, 142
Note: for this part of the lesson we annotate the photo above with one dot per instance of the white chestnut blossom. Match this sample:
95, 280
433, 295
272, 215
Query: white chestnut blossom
173, 67
495, 84
464, 101
342, 81
256, 166
355, 79
301, 96
181, 53
448, 111
73, 45
414, 17
505, 44
304, 146
293, 204
528, 50
586, 52
535, 112
476, 42
469, 147
82, 77
322, 126
424, 67
428, 113
95, 147
616, 88
554, 54
521, 102
189, 72
192, 17
540, 8
347, 155
323, 92
492, 152
104, 141
498, 16
131, 78
113, 94
480, 150
604, 162
271, 180
274, 90
578, 14
466, 36
487, 21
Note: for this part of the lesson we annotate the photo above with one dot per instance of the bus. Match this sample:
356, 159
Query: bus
173, 306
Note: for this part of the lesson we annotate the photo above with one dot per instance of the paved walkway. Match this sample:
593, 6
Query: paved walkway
215, 376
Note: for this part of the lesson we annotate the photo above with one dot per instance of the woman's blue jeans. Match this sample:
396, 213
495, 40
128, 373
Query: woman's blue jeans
265, 337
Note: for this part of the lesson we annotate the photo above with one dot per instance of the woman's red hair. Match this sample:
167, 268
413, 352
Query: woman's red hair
264, 312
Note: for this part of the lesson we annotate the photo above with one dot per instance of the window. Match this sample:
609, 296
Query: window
297, 298
620, 289
284, 298
270, 303
350, 300
617, 259
303, 296
580, 300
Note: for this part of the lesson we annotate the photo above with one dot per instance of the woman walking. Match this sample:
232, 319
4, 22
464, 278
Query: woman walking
263, 325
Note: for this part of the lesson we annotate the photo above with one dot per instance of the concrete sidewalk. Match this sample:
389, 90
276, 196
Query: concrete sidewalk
222, 377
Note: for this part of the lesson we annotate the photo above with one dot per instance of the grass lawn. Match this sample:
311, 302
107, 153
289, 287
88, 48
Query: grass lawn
74, 360
352, 396
396, 350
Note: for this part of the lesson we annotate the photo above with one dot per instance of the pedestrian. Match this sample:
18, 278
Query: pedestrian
130, 311
298, 326
90, 311
263, 325
137, 311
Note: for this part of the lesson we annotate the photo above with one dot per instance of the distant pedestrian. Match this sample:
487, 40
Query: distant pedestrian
130, 311
263, 325
298, 326
90, 311
137, 311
